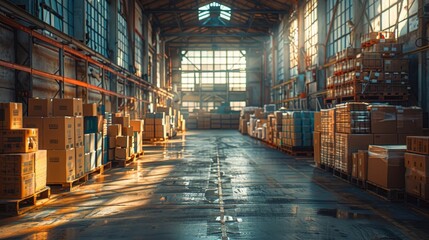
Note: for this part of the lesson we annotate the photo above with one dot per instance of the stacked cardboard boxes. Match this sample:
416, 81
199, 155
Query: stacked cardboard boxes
417, 167
22, 165
124, 133
386, 167
327, 137
317, 141
352, 134
297, 129
138, 127
155, 126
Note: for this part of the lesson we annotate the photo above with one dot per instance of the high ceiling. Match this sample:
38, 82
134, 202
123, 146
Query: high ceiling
180, 25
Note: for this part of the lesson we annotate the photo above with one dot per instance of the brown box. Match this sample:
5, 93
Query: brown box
40, 169
80, 161
417, 162
317, 147
17, 164
350, 143
38, 107
383, 119
10, 115
59, 133
386, 166
112, 142
16, 187
363, 164
409, 120
61, 166
36, 122
124, 121
385, 139
111, 153
137, 125
127, 131
67, 107
122, 153
22, 140
418, 144
317, 122
355, 161
79, 131
90, 109
122, 142
114, 130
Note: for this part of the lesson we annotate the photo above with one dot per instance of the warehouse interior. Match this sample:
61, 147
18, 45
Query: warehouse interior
214, 119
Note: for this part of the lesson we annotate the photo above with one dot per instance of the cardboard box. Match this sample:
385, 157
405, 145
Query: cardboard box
383, 119
40, 169
61, 166
17, 164
122, 153
67, 107
346, 145
127, 131
386, 166
98, 141
112, 142
137, 125
78, 130
22, 140
98, 157
317, 122
124, 121
409, 120
111, 153
385, 139
59, 133
317, 148
93, 124
36, 122
38, 107
16, 187
355, 162
114, 130
80, 162
418, 144
89, 109
417, 162
10, 115
122, 142
90, 161
89, 142
363, 164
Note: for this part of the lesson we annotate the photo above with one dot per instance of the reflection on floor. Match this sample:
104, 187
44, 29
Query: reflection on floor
217, 185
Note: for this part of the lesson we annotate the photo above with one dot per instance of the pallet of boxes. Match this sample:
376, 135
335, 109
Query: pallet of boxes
138, 130
297, 133
121, 141
95, 141
23, 166
417, 170
155, 127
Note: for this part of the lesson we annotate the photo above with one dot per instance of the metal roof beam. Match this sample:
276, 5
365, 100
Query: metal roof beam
208, 35
236, 10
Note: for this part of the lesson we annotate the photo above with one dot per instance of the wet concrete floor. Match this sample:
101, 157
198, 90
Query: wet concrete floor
218, 185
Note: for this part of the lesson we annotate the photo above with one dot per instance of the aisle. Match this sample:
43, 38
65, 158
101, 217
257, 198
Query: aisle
217, 185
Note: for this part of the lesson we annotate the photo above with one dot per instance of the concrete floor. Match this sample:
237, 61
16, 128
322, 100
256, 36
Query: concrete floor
218, 185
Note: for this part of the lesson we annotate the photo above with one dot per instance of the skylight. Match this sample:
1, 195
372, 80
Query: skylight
213, 8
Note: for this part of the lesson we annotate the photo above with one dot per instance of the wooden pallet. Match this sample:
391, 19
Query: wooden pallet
298, 151
341, 175
326, 167
99, 170
16, 207
139, 154
394, 195
123, 162
154, 139
69, 186
358, 182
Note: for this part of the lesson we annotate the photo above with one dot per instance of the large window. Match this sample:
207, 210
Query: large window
190, 106
339, 37
96, 25
280, 54
293, 47
399, 16
123, 50
58, 14
210, 70
311, 31
237, 105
